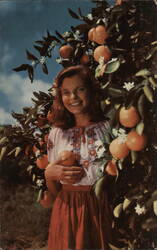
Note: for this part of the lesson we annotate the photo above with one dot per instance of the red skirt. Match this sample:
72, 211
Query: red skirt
79, 221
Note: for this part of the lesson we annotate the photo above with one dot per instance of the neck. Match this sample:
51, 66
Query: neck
83, 120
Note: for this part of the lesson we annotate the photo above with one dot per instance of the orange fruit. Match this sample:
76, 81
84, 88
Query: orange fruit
67, 158
135, 141
111, 168
100, 34
102, 51
66, 51
118, 149
84, 59
46, 201
129, 117
91, 34
42, 161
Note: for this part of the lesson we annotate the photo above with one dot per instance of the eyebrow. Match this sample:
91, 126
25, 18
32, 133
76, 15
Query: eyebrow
62, 89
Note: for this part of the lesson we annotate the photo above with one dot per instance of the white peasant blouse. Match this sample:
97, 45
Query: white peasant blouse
87, 142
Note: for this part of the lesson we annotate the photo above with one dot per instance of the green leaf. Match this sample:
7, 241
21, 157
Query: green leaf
44, 68
11, 152
152, 199
143, 72
98, 187
112, 67
117, 210
148, 93
151, 52
153, 82
107, 138
140, 128
40, 193
155, 207
112, 247
31, 56
126, 203
73, 14
120, 164
17, 151
3, 140
29, 168
140, 105
115, 92
21, 67
3, 151
133, 156
33, 177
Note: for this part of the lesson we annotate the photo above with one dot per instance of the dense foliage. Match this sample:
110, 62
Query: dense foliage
128, 78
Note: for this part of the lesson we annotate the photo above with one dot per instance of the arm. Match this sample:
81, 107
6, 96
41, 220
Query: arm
55, 172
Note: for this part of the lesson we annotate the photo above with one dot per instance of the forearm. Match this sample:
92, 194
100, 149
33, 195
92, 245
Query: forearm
53, 187
52, 178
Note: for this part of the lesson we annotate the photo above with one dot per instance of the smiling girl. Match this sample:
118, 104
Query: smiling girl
78, 220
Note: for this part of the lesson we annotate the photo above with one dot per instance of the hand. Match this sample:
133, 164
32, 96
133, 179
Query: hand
69, 174
47, 199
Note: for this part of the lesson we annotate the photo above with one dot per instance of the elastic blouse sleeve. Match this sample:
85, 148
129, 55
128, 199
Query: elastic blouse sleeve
51, 145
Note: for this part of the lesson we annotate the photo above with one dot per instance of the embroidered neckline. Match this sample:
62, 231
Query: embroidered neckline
92, 125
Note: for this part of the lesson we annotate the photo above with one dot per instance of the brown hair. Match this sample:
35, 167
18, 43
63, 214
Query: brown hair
61, 116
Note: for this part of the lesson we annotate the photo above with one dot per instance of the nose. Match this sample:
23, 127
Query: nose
73, 95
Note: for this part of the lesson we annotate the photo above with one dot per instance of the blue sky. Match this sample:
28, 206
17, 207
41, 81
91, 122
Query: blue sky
21, 23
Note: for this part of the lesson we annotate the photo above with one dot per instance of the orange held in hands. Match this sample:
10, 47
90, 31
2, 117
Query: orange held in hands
135, 141
66, 51
118, 149
102, 51
128, 117
68, 158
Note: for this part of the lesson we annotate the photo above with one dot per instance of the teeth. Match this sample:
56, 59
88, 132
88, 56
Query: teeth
75, 104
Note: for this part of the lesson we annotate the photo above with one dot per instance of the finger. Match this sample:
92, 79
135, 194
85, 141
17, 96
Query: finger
72, 168
72, 173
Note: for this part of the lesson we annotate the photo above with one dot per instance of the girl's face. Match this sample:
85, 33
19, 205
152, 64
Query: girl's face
75, 95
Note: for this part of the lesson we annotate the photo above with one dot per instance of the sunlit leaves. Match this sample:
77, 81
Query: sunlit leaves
112, 67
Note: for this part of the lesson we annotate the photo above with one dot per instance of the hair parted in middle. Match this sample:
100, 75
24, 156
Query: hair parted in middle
62, 118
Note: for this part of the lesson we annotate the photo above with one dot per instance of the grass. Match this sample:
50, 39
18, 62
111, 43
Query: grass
24, 223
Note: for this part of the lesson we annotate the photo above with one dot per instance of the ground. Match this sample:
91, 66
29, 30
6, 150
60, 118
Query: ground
24, 223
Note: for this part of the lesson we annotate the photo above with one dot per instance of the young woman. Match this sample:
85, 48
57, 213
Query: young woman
79, 221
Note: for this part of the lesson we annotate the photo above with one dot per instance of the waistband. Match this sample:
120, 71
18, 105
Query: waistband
84, 188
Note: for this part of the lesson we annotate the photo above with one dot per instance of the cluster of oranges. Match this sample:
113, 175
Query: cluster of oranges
96, 34
66, 51
129, 118
99, 35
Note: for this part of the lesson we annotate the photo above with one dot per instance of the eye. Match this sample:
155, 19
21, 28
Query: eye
65, 92
81, 89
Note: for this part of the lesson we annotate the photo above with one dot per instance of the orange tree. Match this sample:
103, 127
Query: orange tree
118, 43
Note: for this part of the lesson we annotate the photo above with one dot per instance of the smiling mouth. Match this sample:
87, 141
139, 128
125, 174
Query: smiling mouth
75, 104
